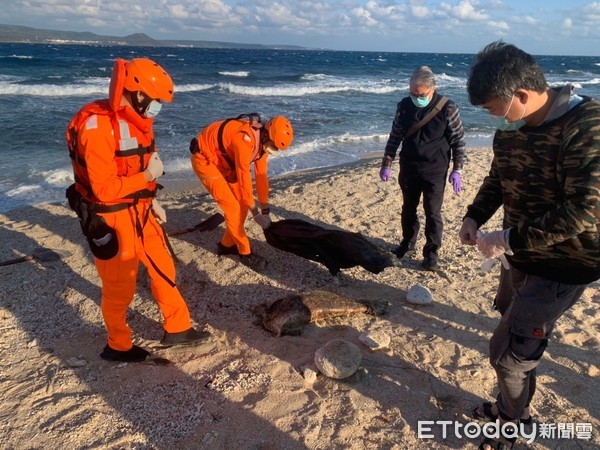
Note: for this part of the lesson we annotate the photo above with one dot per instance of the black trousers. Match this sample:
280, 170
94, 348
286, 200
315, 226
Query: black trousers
414, 184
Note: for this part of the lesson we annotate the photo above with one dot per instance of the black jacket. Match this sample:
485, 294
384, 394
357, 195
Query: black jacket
435, 144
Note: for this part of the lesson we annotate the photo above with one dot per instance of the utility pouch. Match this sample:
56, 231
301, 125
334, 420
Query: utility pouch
194, 147
101, 238
80, 206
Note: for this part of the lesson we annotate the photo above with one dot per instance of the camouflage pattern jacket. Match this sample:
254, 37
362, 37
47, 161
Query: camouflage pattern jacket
547, 179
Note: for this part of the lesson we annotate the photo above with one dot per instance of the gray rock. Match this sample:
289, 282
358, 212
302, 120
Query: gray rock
375, 339
419, 295
338, 359
76, 362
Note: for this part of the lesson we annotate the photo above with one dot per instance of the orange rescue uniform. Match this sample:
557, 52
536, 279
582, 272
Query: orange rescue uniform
232, 187
110, 179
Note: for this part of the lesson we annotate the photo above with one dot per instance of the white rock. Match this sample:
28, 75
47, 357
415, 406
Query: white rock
338, 359
310, 374
375, 339
419, 295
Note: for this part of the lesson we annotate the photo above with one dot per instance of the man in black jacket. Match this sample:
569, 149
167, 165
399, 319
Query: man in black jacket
430, 129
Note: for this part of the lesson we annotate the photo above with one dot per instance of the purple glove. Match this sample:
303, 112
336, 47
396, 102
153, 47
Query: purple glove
456, 179
385, 173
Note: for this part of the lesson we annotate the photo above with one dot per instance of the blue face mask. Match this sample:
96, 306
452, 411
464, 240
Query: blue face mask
503, 124
153, 109
420, 102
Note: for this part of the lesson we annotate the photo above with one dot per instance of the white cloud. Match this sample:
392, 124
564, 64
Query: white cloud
528, 20
364, 16
344, 24
179, 12
465, 10
418, 10
388, 12
500, 26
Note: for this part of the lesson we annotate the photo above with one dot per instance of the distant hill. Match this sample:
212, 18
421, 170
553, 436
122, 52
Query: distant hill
19, 34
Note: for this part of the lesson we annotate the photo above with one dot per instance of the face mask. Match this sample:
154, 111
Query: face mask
270, 150
503, 124
152, 109
420, 102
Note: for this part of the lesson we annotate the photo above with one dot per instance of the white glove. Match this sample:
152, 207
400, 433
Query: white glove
487, 264
264, 220
159, 211
155, 166
494, 244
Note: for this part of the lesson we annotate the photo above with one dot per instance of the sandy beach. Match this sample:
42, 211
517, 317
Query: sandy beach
247, 388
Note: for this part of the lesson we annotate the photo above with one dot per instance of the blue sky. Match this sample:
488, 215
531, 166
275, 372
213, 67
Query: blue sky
570, 27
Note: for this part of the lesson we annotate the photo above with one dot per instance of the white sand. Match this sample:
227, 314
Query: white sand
246, 391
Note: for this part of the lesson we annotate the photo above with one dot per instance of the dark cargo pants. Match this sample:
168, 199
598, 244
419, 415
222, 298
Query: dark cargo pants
530, 306
432, 187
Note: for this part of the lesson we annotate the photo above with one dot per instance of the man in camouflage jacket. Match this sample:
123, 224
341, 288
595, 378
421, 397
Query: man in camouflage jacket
545, 175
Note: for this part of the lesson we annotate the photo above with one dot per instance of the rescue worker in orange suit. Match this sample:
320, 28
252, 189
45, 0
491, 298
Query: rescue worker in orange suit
116, 166
222, 156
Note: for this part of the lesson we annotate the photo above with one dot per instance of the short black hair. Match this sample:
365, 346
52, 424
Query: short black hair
499, 70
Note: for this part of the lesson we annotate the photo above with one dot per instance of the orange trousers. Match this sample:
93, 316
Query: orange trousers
119, 274
228, 197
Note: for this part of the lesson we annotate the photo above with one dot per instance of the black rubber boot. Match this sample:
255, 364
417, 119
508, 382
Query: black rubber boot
403, 249
187, 337
134, 354
223, 250
430, 264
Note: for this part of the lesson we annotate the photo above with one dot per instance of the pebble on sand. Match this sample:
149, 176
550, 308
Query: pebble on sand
338, 359
375, 339
419, 295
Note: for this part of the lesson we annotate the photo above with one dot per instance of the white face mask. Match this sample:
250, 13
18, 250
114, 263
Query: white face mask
152, 109
503, 124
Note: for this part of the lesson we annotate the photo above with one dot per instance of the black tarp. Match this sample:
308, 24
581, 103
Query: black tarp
335, 249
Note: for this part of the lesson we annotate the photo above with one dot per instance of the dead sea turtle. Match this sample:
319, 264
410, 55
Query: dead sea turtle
289, 315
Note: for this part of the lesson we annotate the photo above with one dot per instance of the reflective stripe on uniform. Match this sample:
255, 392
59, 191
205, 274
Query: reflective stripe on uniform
126, 142
92, 122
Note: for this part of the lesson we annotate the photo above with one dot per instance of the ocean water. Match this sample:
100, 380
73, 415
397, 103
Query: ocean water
341, 104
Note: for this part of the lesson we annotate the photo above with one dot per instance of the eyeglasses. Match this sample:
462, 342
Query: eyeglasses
425, 95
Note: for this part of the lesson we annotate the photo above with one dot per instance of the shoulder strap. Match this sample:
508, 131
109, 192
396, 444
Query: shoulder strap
252, 117
222, 146
436, 109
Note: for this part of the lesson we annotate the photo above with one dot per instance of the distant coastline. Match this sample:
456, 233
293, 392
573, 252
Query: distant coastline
26, 35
